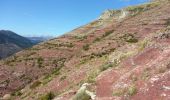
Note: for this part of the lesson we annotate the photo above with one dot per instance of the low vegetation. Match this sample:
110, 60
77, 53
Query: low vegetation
168, 22
146, 74
107, 33
141, 8
119, 92
106, 66
130, 91
86, 47
80, 38
40, 61
48, 96
130, 38
35, 84
63, 78
91, 78
82, 95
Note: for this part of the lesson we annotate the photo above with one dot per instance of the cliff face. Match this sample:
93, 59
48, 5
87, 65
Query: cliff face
120, 57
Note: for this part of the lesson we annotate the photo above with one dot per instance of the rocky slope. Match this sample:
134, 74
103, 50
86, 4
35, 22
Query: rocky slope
124, 55
11, 43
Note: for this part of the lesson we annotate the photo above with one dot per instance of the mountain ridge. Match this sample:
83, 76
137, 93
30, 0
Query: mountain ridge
11, 43
120, 59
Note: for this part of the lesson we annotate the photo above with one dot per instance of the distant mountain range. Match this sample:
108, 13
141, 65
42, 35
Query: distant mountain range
10, 42
39, 39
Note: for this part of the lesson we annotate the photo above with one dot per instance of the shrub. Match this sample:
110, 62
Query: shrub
108, 33
143, 44
145, 74
40, 62
47, 79
81, 95
132, 90
92, 77
16, 93
56, 71
81, 38
48, 96
63, 78
106, 66
35, 84
86, 47
96, 40
130, 38
119, 92
168, 22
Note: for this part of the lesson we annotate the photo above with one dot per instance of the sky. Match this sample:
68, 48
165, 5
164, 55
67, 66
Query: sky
53, 17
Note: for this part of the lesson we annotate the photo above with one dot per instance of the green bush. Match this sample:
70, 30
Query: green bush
86, 47
119, 92
92, 77
108, 33
168, 22
81, 95
132, 90
63, 78
35, 84
96, 40
106, 66
40, 62
130, 38
48, 96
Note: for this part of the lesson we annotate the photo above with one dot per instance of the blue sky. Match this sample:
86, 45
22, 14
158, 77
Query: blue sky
53, 17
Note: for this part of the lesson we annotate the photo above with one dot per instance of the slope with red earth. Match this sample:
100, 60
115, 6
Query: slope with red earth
125, 58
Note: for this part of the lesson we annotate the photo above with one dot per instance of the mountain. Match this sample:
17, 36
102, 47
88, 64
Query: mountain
11, 43
123, 55
39, 39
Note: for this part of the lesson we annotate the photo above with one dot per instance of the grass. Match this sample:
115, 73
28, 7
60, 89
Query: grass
48, 96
